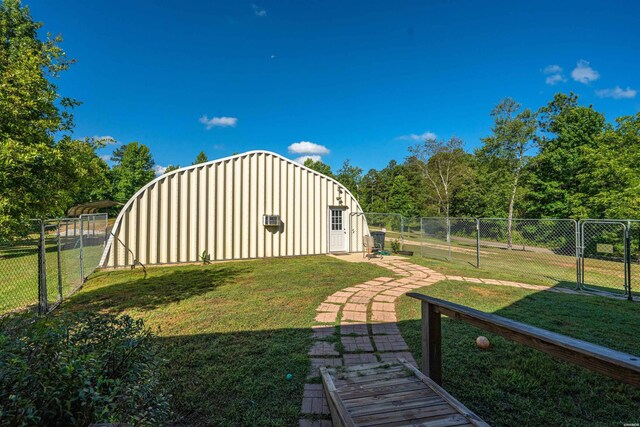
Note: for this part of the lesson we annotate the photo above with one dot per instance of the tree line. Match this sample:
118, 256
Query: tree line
563, 160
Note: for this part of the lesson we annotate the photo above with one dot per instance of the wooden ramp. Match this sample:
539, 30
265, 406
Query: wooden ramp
391, 394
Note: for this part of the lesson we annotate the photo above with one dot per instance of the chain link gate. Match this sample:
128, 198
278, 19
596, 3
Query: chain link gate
49, 262
605, 256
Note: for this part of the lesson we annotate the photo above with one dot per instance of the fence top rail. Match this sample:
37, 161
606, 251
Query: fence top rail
614, 221
532, 219
615, 364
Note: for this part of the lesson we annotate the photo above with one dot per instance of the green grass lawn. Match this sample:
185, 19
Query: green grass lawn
539, 264
510, 384
19, 272
528, 267
232, 331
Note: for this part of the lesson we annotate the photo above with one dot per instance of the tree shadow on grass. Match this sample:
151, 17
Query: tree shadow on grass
510, 384
161, 287
238, 378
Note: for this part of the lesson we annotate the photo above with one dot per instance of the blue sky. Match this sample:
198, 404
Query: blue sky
355, 79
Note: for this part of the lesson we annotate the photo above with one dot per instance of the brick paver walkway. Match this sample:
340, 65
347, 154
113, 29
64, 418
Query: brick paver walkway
368, 332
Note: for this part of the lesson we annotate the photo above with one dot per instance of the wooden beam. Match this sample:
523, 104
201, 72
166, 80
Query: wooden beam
431, 343
615, 364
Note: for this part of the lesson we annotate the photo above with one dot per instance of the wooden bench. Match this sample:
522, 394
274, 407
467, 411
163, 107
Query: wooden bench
615, 364
398, 394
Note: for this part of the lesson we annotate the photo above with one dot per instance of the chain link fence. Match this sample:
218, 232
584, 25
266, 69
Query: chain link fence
598, 255
50, 262
544, 248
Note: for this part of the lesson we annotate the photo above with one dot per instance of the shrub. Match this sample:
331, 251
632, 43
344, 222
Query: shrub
77, 369
395, 245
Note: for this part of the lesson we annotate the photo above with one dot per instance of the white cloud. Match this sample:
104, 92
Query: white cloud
218, 121
307, 147
418, 137
302, 159
554, 74
583, 73
554, 78
617, 93
218, 147
106, 157
159, 170
552, 69
258, 11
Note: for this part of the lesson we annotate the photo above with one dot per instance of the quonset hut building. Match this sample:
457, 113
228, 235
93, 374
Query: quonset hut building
252, 205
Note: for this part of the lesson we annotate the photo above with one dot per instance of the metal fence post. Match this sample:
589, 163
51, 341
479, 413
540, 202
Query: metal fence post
578, 266
627, 259
81, 251
59, 247
42, 273
477, 242
421, 238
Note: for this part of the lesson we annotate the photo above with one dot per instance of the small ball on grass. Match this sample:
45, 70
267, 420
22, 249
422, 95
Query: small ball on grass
482, 342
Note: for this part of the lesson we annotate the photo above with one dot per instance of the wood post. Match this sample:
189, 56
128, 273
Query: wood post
431, 343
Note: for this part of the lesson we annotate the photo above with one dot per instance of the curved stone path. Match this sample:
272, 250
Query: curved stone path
368, 332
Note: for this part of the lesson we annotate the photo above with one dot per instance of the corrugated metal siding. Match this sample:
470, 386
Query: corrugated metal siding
217, 207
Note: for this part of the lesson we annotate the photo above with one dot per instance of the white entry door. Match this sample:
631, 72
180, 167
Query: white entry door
338, 237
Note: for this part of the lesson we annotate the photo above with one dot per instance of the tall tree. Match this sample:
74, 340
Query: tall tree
444, 165
133, 168
401, 200
88, 176
32, 168
350, 176
200, 158
506, 149
319, 166
556, 186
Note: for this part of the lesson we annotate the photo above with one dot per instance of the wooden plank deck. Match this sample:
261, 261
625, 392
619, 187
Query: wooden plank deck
391, 394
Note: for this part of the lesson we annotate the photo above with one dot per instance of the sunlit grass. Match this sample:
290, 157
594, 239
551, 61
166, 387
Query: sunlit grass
513, 385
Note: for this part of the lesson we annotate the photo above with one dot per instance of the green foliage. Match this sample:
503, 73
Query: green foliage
171, 168
205, 257
200, 158
400, 200
557, 185
32, 168
77, 369
350, 176
89, 176
318, 166
395, 245
133, 169
444, 165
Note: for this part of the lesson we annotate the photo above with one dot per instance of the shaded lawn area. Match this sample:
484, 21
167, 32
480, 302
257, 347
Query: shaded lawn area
510, 384
232, 331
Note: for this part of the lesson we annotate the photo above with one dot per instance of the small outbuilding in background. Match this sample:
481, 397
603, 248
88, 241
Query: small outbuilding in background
252, 205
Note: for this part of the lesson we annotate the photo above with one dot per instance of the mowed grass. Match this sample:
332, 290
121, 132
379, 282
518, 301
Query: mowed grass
548, 265
231, 331
525, 266
510, 384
